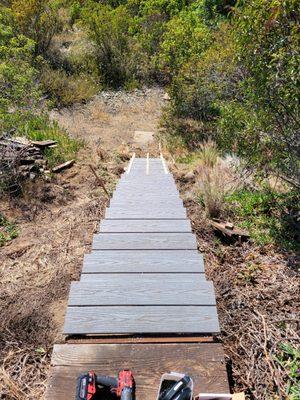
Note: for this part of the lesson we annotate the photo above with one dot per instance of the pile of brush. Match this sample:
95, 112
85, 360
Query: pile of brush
20, 160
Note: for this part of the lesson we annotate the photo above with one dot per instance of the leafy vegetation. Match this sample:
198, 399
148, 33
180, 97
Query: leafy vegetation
21, 110
8, 230
289, 358
270, 216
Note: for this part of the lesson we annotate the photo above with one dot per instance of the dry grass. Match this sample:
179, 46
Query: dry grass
216, 179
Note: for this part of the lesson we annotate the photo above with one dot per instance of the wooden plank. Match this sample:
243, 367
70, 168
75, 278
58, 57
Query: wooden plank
146, 261
204, 362
139, 225
138, 339
163, 213
145, 241
143, 289
141, 319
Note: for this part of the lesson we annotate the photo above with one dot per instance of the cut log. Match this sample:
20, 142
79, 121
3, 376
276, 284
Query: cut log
44, 143
229, 229
63, 166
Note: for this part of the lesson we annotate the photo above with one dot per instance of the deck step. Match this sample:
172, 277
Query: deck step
183, 319
145, 241
142, 289
143, 261
143, 226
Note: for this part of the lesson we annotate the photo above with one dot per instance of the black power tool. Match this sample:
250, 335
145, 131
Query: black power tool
178, 391
88, 385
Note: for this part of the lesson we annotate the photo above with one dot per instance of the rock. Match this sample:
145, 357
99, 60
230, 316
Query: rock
166, 97
189, 176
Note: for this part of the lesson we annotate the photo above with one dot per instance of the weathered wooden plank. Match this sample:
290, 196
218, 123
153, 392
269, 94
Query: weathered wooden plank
145, 241
120, 213
203, 362
141, 319
146, 261
139, 225
143, 289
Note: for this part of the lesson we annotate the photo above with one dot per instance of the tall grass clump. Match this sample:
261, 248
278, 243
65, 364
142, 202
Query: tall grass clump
216, 179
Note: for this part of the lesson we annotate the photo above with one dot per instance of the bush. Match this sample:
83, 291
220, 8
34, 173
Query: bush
38, 20
64, 89
8, 230
185, 37
270, 217
109, 30
267, 37
40, 128
216, 179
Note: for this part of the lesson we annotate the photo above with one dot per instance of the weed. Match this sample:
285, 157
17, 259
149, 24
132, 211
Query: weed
289, 360
40, 128
8, 230
249, 273
270, 217
208, 154
216, 180
64, 89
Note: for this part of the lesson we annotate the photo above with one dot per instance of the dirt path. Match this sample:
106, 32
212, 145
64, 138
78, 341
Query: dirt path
56, 220
112, 118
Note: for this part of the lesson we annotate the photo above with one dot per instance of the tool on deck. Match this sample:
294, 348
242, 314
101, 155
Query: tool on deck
179, 390
88, 385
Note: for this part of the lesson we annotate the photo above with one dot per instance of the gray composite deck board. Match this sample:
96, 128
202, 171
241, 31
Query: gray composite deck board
146, 261
141, 319
145, 241
153, 203
143, 289
113, 213
165, 189
144, 274
146, 196
146, 204
139, 225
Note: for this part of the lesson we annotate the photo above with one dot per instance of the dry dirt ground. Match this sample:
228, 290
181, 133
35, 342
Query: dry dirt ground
56, 220
111, 118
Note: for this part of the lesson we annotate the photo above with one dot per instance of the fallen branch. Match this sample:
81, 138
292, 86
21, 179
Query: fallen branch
63, 166
99, 180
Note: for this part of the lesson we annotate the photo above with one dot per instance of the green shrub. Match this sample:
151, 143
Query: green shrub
109, 30
38, 20
270, 217
267, 43
64, 89
8, 230
40, 128
185, 36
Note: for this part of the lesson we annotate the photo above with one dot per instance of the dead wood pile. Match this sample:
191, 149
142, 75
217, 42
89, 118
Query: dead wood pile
19, 160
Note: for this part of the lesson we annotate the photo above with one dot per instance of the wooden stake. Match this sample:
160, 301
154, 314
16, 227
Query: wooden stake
99, 180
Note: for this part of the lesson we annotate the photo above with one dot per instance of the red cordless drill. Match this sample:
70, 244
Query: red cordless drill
88, 385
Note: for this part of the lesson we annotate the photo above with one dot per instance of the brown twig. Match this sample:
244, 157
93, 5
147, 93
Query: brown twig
99, 180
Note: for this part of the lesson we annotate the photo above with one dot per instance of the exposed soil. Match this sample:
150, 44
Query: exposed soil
111, 118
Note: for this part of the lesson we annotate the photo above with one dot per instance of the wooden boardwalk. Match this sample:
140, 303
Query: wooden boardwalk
144, 274
144, 278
